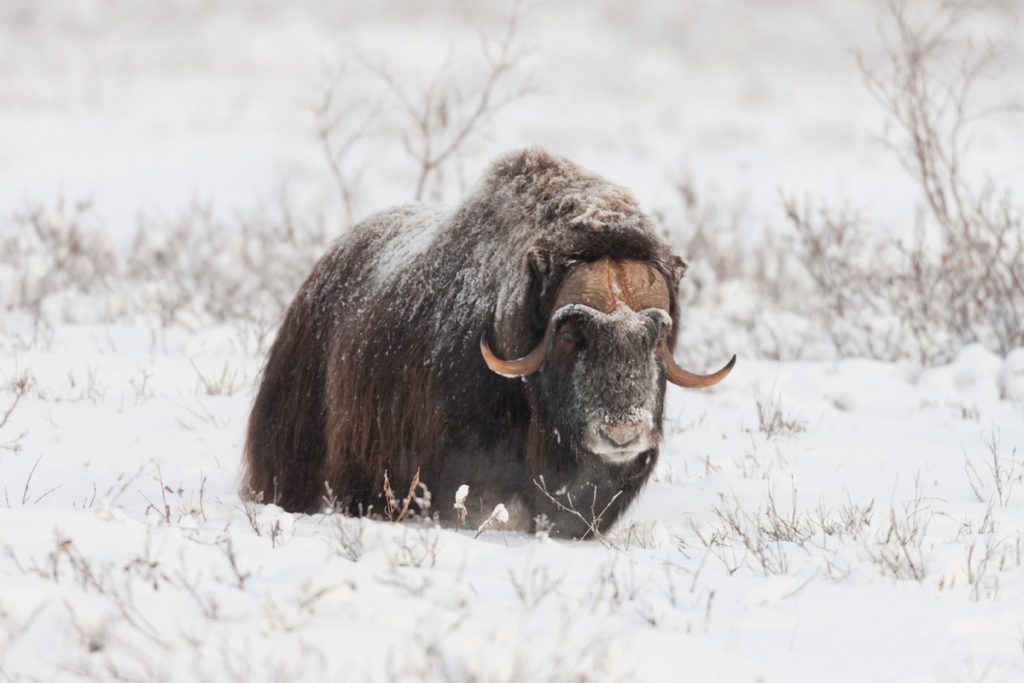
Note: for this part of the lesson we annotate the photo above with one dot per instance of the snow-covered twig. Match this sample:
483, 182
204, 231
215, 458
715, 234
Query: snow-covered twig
461, 494
594, 523
499, 516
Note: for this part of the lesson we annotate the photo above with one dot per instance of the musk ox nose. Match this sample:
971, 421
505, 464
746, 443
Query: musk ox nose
620, 436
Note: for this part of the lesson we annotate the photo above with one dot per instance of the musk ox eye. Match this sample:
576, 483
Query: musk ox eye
569, 339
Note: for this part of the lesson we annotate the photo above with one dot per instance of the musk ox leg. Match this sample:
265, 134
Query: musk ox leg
284, 447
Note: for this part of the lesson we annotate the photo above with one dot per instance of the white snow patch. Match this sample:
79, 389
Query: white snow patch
461, 494
1011, 377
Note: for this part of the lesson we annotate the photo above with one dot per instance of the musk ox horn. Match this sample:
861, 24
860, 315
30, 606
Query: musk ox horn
604, 285
690, 380
520, 367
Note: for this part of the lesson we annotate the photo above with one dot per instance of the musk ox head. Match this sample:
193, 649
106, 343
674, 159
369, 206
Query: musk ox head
599, 371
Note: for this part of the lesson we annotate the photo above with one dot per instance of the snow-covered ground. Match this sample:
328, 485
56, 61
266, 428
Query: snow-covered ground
841, 520
876, 536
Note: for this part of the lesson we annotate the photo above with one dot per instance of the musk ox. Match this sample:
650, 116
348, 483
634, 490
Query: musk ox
390, 356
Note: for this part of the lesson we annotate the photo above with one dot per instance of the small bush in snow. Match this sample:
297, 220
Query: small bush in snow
771, 420
960, 278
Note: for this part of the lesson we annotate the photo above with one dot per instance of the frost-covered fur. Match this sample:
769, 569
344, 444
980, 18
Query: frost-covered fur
377, 365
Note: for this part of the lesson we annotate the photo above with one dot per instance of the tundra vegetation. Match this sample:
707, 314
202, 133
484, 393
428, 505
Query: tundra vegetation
847, 506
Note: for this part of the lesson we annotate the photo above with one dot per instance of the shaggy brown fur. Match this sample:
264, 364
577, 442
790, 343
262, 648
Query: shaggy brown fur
377, 367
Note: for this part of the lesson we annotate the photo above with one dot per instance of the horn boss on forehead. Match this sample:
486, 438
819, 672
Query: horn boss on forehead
604, 285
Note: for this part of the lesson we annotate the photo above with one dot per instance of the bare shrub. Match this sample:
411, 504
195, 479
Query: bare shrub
225, 383
634, 534
350, 536
231, 555
753, 464
715, 232
251, 510
418, 549
19, 386
189, 270
899, 550
851, 520
164, 509
53, 249
772, 421
396, 509
534, 585
563, 501
201, 267
26, 497
434, 116
960, 277
984, 560
748, 277
761, 534
342, 123
998, 476
442, 117
764, 536
899, 553
852, 284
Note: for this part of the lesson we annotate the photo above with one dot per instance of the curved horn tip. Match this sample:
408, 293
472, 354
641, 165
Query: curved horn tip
494, 364
527, 365
689, 380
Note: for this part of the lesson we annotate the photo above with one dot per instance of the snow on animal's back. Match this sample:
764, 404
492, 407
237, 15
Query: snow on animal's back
402, 234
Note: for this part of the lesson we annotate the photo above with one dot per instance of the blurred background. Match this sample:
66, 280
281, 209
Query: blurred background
135, 118
148, 106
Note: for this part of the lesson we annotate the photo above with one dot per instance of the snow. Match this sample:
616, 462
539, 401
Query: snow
461, 494
116, 545
408, 231
879, 536
1011, 379
499, 515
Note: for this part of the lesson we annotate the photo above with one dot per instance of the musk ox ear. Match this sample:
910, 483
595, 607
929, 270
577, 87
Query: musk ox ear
677, 268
